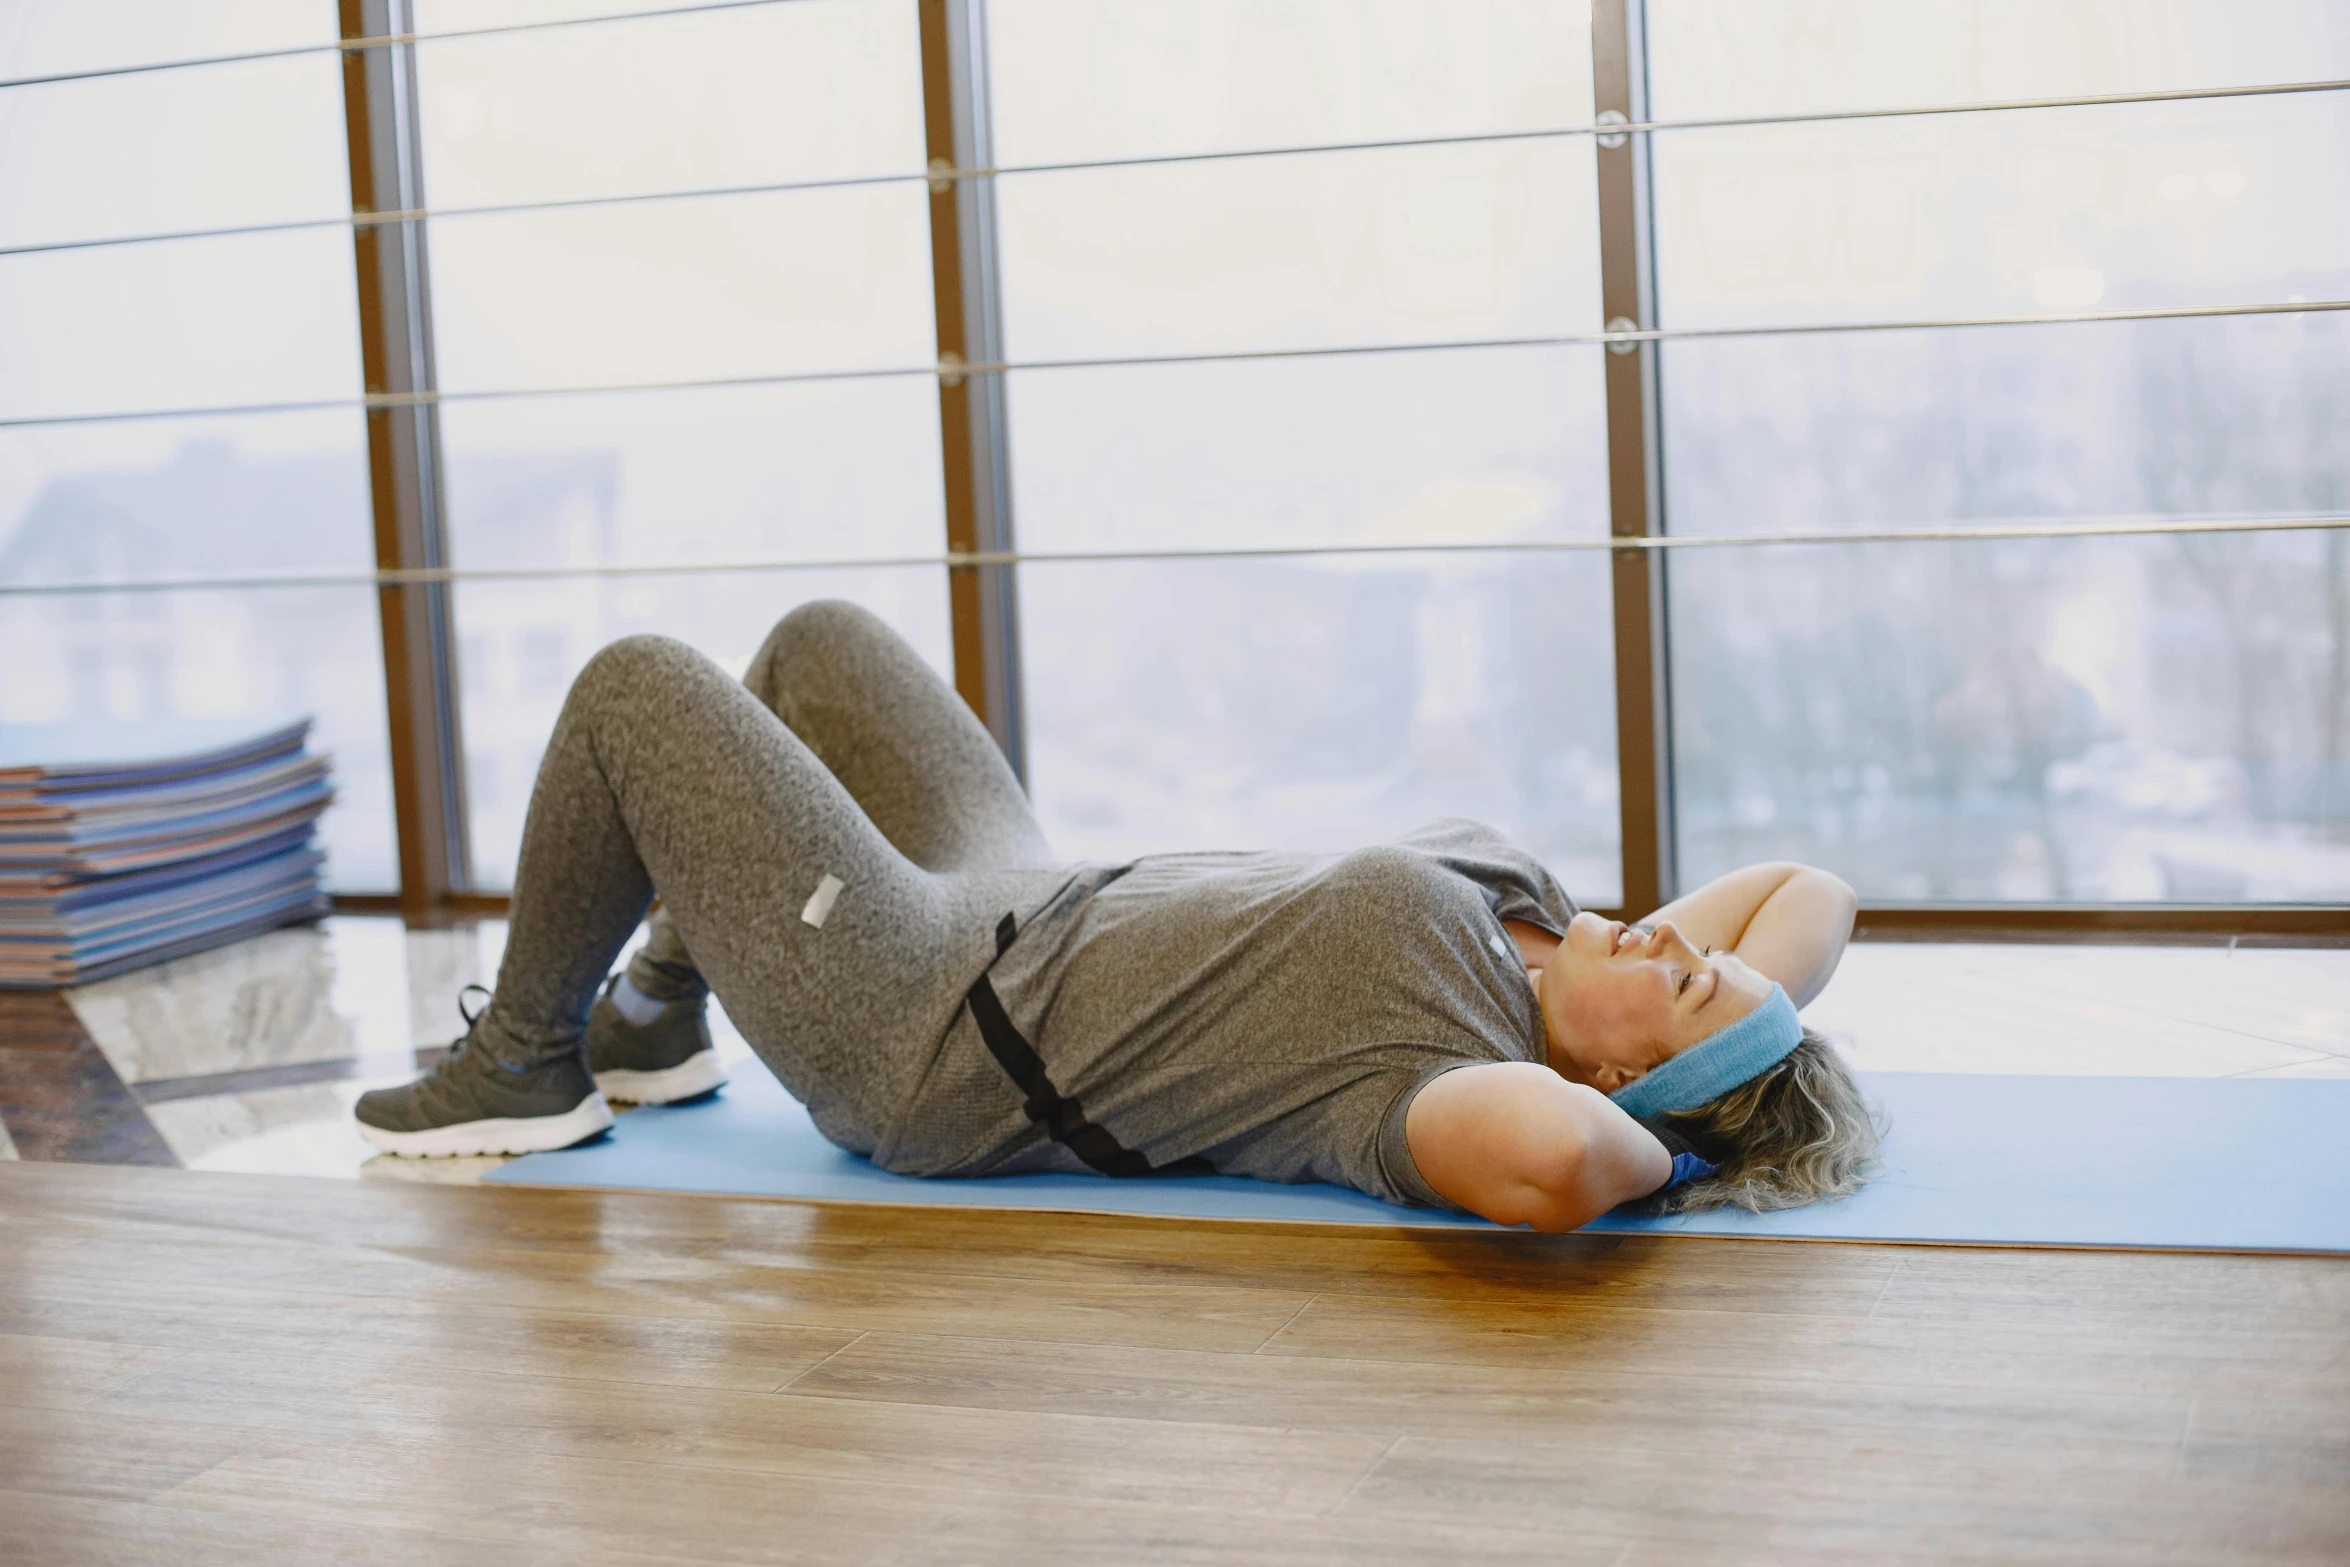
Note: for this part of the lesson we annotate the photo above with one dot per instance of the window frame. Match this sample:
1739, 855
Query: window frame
405, 482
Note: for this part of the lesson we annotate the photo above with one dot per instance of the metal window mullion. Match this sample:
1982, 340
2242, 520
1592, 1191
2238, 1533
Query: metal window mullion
1635, 475
983, 600
404, 461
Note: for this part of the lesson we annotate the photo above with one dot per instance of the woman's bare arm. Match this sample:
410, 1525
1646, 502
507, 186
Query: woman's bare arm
1518, 1144
1787, 921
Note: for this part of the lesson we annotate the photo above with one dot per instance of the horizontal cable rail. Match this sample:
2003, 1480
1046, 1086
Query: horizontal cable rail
1620, 127
365, 220
942, 175
1597, 128
386, 41
1630, 337
2101, 528
375, 400
953, 371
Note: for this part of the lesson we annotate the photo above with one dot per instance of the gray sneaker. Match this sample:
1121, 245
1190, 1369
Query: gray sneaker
472, 1104
660, 1062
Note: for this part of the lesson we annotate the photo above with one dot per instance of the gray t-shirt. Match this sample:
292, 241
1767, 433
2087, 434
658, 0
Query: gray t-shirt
1272, 1013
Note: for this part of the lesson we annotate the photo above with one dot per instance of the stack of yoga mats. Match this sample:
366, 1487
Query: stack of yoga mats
126, 845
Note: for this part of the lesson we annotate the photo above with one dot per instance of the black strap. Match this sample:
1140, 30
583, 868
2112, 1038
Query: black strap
1062, 1118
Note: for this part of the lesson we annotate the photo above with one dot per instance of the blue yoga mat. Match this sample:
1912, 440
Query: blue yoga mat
2216, 1164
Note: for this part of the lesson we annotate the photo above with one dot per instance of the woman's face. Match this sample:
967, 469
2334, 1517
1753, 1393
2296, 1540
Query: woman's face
1619, 1002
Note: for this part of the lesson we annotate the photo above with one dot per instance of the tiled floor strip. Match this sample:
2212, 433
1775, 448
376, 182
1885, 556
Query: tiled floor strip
164, 1090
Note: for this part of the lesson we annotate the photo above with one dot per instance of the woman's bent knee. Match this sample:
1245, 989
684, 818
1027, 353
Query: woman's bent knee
823, 643
826, 625
635, 663
823, 617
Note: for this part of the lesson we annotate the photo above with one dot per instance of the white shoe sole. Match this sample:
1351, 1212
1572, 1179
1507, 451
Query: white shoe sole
508, 1135
696, 1074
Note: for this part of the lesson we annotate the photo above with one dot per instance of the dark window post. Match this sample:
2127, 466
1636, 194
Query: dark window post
983, 600
403, 455
1619, 76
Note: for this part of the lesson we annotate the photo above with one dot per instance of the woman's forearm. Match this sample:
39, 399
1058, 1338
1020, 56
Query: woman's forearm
1797, 936
1788, 921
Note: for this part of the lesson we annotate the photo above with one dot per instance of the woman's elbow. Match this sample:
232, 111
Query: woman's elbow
1557, 1187
1841, 890
1824, 886
1560, 1216
1518, 1144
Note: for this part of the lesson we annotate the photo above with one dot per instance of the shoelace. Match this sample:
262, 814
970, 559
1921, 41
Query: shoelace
471, 1015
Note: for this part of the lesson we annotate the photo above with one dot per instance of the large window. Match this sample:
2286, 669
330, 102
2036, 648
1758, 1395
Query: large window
92, 339
587, 288
1321, 700
2126, 718
1237, 399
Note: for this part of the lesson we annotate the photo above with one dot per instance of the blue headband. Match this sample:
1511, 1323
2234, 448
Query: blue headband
1717, 1063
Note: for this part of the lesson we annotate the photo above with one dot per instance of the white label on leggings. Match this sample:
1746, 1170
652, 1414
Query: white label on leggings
819, 907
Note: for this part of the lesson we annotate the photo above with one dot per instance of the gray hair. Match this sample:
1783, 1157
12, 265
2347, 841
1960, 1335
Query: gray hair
1798, 1133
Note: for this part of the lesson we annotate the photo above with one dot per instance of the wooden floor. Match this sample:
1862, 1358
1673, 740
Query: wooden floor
199, 1367
243, 1368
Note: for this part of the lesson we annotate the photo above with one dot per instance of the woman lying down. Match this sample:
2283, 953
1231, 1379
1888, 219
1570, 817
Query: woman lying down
843, 856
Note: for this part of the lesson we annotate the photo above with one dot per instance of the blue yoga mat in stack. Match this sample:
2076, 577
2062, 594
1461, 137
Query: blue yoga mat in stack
2218, 1164
122, 845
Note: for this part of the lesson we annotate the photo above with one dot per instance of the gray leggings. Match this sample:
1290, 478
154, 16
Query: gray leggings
839, 754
